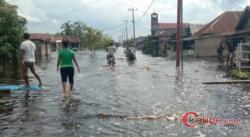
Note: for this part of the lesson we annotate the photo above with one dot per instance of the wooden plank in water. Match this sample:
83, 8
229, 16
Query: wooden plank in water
228, 82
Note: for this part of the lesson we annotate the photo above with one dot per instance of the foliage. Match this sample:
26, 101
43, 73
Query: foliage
240, 74
11, 30
90, 38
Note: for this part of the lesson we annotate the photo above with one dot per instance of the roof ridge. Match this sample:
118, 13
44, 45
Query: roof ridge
217, 24
232, 11
171, 23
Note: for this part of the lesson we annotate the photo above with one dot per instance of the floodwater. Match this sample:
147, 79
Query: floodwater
150, 86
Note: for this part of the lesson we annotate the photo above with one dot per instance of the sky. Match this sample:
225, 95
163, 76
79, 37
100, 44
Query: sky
46, 16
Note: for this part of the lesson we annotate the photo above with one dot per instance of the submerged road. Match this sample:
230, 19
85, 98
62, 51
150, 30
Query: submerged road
150, 86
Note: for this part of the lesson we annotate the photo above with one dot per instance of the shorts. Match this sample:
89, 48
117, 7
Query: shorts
28, 64
67, 73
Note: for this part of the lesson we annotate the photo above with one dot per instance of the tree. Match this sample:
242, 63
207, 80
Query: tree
90, 38
11, 30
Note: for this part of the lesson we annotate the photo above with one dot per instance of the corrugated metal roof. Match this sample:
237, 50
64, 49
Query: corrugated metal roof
225, 23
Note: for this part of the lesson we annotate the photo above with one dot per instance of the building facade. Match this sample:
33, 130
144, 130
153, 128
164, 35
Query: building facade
164, 33
167, 29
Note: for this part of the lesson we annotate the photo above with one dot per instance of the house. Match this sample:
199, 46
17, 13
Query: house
164, 34
56, 43
42, 42
47, 42
209, 37
244, 22
140, 42
195, 28
166, 29
242, 35
74, 42
242, 30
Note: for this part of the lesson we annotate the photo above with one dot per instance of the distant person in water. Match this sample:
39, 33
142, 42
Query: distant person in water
220, 50
65, 62
110, 56
27, 58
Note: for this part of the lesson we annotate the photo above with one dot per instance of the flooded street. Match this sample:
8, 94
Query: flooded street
150, 86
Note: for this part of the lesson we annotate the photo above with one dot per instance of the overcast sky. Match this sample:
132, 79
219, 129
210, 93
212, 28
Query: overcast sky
46, 16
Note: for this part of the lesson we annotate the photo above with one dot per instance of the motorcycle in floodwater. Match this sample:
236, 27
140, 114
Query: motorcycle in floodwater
110, 59
131, 55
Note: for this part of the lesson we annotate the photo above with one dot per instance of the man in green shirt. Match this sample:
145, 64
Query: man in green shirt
65, 62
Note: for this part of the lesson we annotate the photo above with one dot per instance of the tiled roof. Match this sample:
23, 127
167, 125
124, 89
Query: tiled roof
171, 25
41, 37
71, 39
56, 38
225, 23
45, 37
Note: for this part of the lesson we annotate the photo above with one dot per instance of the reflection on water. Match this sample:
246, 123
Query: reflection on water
149, 86
70, 105
11, 73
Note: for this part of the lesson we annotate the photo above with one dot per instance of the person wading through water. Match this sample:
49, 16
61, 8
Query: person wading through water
65, 62
220, 50
27, 58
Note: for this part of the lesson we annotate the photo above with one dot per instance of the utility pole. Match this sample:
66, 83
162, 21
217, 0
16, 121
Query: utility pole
122, 43
133, 21
182, 35
124, 37
119, 39
126, 31
178, 32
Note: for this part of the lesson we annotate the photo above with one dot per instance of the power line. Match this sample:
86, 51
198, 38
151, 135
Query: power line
68, 13
147, 30
112, 27
112, 33
76, 10
145, 12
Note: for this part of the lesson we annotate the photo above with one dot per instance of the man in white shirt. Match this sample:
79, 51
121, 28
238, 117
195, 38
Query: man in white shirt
27, 57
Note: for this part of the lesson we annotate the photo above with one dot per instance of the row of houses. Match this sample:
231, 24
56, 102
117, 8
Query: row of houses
163, 35
231, 27
47, 43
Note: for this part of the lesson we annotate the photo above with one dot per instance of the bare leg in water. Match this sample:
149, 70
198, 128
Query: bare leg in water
25, 75
64, 85
71, 87
32, 69
26, 80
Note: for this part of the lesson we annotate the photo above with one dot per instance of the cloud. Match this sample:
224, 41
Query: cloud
105, 13
27, 9
55, 21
